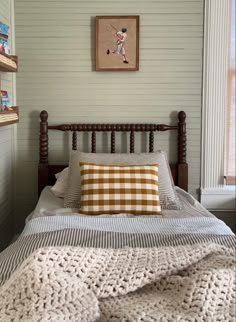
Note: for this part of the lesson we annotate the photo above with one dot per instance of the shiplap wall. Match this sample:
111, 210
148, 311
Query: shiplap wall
6, 147
55, 42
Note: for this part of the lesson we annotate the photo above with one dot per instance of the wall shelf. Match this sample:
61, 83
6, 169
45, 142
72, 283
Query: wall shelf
9, 117
8, 63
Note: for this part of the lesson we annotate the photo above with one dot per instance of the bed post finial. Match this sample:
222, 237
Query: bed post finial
44, 116
43, 152
182, 152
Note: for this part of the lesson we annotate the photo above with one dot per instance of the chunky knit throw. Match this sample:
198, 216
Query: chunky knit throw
183, 283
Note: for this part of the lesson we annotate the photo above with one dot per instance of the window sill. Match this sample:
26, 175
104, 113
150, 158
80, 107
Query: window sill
219, 199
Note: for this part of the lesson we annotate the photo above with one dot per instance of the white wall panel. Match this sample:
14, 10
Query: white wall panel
55, 41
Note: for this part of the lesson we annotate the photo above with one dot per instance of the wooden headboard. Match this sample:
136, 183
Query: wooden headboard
46, 171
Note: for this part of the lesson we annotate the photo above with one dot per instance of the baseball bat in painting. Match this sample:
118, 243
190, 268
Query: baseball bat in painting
114, 28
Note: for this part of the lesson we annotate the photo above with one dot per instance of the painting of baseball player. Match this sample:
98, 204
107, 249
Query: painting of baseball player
121, 36
117, 43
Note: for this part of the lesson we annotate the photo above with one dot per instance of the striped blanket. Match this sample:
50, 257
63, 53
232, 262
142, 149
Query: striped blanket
98, 232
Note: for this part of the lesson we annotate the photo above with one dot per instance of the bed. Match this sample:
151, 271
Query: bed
117, 237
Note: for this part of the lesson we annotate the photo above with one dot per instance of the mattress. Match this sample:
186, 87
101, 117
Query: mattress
50, 205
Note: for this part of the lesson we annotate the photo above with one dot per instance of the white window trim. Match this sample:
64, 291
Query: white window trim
216, 31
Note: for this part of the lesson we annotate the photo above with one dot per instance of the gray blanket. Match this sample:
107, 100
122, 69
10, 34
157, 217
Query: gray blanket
16, 253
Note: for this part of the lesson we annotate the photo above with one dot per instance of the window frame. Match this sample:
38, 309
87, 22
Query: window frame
213, 193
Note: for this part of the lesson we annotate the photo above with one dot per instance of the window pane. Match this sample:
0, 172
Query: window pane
231, 154
230, 159
232, 38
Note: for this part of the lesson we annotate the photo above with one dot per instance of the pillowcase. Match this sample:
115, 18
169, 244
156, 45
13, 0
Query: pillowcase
167, 194
109, 189
60, 186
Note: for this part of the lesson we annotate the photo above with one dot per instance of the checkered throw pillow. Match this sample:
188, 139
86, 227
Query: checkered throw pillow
109, 189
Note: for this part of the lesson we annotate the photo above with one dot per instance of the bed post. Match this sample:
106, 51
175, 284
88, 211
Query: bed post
43, 152
182, 144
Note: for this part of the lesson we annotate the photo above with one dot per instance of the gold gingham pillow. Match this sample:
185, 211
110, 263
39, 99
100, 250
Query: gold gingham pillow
111, 189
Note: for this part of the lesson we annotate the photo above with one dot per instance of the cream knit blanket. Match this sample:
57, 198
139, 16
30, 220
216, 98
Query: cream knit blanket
184, 283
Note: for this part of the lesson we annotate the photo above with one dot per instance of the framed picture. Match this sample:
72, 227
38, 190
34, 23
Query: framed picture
117, 43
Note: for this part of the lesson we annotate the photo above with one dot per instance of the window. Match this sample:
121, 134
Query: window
230, 110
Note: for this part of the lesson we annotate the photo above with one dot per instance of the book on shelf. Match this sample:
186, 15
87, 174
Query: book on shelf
4, 42
5, 101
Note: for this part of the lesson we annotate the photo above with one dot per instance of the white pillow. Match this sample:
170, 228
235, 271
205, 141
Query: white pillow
168, 196
60, 186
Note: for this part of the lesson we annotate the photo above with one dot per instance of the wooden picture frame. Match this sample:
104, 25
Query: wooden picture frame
117, 43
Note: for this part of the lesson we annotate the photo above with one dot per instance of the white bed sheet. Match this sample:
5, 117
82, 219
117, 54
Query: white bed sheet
50, 205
